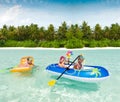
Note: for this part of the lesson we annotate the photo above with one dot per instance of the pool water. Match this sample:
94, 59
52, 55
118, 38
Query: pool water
33, 87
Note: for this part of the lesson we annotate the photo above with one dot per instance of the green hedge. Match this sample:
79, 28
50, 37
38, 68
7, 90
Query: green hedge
13, 43
114, 43
73, 43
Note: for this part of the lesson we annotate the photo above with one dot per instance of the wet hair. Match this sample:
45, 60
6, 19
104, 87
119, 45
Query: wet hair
81, 57
28, 59
61, 58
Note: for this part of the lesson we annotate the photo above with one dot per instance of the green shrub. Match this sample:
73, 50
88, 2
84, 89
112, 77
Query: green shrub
93, 43
115, 43
13, 43
2, 43
102, 44
56, 44
74, 44
28, 43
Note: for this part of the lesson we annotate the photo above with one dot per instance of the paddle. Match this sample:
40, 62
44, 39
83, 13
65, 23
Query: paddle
52, 82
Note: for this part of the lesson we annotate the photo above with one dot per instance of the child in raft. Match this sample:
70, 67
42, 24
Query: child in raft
28, 63
62, 62
79, 65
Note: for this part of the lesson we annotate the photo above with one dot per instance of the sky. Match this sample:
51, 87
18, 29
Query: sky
46, 12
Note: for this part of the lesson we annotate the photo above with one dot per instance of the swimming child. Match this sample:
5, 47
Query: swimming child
29, 61
26, 62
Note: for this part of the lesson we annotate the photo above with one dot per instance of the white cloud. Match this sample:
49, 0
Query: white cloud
104, 17
40, 17
26, 21
17, 15
10, 14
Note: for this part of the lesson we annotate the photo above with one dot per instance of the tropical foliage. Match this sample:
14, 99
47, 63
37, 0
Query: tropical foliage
69, 36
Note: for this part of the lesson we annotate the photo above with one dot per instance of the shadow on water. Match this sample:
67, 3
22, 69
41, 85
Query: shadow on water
77, 85
32, 72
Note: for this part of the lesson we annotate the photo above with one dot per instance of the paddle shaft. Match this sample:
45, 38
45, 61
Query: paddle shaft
67, 68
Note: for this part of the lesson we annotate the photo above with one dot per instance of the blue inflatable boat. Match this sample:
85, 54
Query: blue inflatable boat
87, 74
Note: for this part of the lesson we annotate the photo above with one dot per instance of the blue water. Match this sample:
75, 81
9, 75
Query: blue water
32, 87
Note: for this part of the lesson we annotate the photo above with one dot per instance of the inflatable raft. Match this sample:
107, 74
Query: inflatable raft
87, 74
26, 65
21, 69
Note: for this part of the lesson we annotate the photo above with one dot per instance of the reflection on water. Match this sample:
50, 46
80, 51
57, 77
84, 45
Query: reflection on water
30, 73
76, 85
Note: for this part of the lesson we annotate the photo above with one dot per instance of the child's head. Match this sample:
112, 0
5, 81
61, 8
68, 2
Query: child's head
62, 58
80, 59
29, 60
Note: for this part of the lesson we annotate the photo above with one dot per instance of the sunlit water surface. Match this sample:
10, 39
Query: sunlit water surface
33, 87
